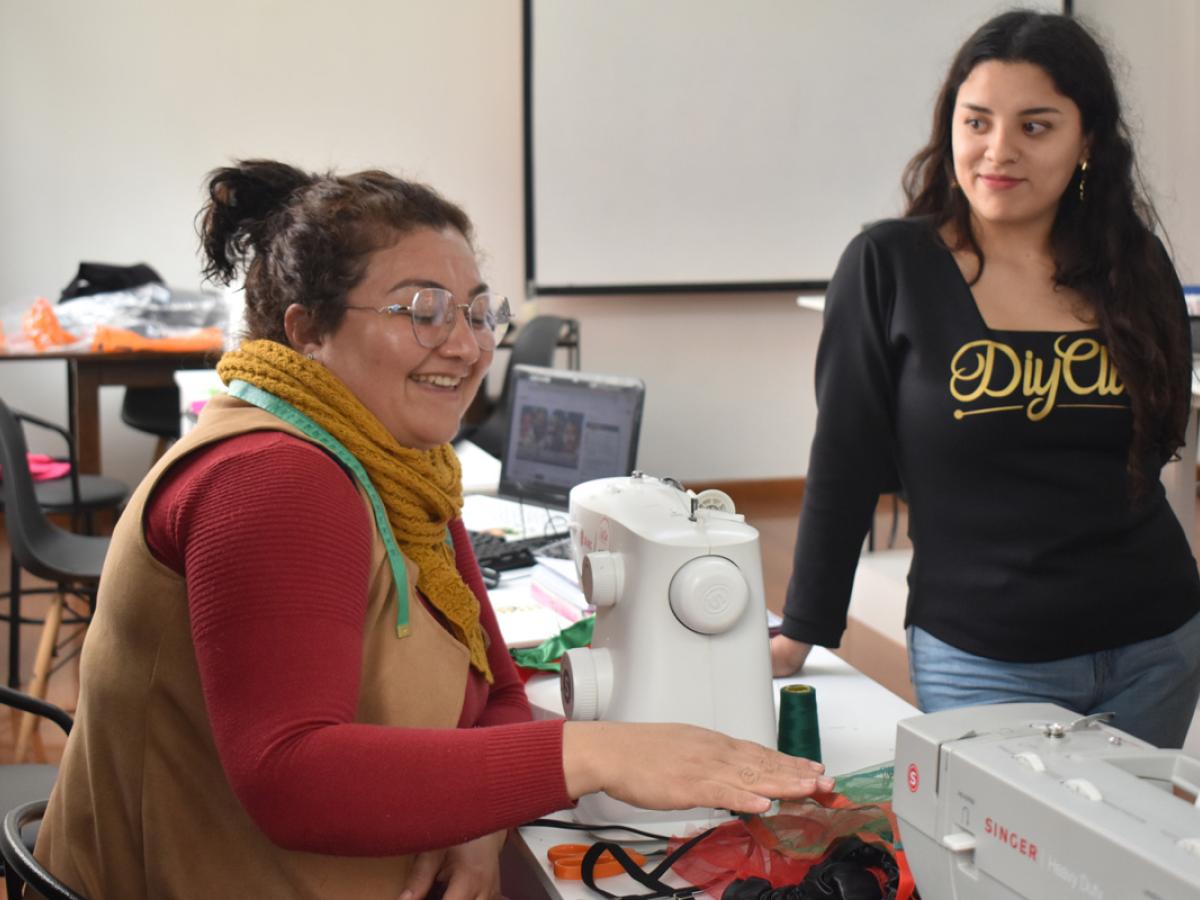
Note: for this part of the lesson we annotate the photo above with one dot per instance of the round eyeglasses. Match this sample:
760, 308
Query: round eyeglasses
432, 312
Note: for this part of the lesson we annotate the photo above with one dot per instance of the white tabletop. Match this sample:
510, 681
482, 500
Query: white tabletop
480, 470
858, 730
195, 385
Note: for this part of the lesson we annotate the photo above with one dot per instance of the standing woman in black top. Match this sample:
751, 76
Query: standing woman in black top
1014, 353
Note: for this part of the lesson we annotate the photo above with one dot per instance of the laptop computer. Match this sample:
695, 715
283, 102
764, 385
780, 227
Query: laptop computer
565, 427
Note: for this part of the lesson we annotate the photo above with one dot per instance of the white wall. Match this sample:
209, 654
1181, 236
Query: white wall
1156, 45
111, 113
729, 380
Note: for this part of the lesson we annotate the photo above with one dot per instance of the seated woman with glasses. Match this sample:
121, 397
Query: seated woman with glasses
294, 684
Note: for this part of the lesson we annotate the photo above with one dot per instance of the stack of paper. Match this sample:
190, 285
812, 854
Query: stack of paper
523, 620
556, 585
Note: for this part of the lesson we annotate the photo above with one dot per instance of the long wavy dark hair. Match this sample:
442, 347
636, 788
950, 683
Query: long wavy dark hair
1104, 245
306, 237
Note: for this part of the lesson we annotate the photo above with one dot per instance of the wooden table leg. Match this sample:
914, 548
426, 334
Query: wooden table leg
85, 414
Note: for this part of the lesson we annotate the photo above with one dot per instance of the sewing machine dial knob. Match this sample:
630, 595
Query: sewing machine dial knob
709, 594
585, 683
601, 577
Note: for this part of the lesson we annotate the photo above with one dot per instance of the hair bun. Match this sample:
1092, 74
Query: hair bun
243, 198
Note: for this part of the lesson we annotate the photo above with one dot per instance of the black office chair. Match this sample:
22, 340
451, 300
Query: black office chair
28, 782
21, 868
71, 561
80, 497
535, 345
156, 411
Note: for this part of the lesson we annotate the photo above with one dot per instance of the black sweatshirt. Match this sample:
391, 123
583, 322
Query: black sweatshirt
1011, 447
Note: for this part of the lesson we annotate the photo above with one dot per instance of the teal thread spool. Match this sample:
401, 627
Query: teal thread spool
799, 734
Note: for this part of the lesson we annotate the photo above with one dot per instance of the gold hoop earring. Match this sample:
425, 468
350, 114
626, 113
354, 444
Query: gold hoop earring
1083, 167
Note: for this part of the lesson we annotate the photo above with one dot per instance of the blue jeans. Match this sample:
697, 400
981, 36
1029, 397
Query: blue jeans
1152, 686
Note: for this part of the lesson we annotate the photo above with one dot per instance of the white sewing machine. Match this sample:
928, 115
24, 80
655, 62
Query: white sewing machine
681, 630
1028, 801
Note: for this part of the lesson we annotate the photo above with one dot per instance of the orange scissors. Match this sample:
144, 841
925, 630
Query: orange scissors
567, 861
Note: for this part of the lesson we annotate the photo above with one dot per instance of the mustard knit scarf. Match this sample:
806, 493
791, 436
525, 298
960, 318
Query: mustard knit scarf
421, 489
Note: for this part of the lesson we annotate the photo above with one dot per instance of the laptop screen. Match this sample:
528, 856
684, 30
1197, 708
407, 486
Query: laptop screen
566, 428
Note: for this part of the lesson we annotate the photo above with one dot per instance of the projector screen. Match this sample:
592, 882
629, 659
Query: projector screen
711, 144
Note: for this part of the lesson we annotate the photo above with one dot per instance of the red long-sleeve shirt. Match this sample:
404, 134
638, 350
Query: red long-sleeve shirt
275, 544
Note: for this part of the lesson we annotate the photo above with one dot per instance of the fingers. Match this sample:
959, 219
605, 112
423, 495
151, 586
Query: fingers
683, 766
472, 870
760, 775
725, 793
420, 878
746, 776
773, 764
466, 884
462, 888
756, 800
773, 774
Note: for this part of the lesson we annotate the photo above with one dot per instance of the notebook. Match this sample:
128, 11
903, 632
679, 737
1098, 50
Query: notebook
564, 428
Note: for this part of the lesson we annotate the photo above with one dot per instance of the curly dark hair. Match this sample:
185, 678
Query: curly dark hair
1104, 246
306, 238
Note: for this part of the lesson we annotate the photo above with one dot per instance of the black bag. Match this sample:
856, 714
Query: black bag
103, 278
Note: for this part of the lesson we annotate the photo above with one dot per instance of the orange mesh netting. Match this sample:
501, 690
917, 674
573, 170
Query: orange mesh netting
783, 847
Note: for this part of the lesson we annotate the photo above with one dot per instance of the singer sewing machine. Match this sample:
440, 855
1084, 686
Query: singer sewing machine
1028, 801
681, 632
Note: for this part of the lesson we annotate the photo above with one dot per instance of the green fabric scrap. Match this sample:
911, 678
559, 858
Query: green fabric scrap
545, 655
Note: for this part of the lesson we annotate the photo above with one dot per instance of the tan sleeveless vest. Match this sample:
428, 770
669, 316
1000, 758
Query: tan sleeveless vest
142, 808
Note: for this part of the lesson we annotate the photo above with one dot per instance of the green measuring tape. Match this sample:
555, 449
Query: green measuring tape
281, 409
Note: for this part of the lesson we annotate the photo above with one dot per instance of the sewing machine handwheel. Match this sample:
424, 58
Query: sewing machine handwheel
708, 594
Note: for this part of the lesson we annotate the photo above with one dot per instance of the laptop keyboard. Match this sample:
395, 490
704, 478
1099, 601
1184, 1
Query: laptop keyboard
512, 518
494, 552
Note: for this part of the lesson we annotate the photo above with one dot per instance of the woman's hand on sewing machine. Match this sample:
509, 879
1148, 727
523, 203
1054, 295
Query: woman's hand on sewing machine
681, 766
787, 656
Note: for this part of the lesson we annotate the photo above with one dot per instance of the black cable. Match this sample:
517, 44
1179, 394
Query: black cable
595, 829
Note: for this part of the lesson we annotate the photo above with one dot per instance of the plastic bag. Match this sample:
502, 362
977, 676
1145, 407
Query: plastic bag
43, 330
151, 311
148, 317
781, 848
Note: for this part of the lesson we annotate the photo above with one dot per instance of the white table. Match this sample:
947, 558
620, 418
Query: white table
858, 729
480, 470
194, 386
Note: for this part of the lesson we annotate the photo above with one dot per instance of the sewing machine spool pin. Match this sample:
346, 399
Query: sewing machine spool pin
1059, 730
